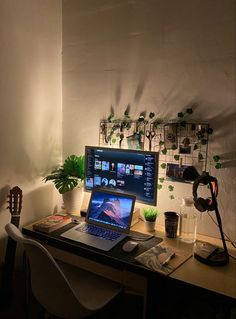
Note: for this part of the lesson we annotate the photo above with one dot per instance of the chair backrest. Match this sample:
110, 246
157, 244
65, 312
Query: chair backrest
49, 285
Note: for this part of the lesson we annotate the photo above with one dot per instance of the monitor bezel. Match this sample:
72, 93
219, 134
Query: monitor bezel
156, 155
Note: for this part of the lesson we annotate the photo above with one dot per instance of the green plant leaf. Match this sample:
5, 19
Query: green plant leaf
203, 141
189, 110
127, 110
110, 117
151, 115
65, 184
210, 130
200, 157
150, 214
67, 176
141, 118
180, 114
74, 166
174, 147
216, 158
218, 165
163, 165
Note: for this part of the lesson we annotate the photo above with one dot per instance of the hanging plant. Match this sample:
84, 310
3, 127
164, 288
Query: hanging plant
192, 137
218, 164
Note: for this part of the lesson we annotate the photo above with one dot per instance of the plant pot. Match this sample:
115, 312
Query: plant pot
73, 200
150, 226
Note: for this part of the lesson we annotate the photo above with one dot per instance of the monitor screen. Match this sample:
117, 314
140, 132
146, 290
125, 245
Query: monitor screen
128, 171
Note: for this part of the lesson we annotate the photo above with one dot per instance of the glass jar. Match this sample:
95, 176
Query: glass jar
188, 221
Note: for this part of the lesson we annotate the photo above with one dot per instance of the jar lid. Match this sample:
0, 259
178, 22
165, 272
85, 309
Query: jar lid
187, 201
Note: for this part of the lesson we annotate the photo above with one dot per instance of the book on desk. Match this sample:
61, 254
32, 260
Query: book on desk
51, 223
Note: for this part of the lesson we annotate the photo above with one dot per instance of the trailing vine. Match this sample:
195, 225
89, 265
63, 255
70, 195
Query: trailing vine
120, 125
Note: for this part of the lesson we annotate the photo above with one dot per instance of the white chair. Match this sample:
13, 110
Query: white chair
61, 289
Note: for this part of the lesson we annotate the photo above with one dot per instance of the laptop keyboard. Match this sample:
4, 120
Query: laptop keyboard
100, 232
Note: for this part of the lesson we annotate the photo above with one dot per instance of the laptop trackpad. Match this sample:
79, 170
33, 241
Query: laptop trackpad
78, 236
90, 240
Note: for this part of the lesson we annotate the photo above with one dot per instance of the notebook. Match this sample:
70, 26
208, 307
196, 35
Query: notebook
107, 220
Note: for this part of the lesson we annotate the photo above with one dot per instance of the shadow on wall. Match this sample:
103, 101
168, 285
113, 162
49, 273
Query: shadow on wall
228, 159
4, 191
224, 124
36, 204
29, 164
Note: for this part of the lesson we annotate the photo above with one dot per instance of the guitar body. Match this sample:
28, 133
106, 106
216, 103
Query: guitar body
15, 204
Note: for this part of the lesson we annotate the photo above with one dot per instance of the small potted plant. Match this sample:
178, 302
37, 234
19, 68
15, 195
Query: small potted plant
68, 178
150, 215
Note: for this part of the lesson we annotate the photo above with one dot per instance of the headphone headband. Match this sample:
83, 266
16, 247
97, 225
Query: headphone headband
200, 203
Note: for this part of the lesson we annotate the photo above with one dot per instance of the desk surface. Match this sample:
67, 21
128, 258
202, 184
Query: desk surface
221, 280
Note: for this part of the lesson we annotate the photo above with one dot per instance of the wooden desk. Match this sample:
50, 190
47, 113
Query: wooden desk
221, 280
121, 268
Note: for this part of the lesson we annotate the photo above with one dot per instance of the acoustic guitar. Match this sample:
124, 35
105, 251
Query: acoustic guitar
15, 205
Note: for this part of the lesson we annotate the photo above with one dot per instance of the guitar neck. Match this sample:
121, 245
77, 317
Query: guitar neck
15, 220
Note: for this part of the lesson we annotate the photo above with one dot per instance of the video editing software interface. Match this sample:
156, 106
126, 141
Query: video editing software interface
112, 209
128, 171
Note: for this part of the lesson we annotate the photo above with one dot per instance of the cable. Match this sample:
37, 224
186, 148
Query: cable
232, 257
228, 238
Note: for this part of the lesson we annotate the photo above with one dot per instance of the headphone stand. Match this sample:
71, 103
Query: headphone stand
207, 253
210, 255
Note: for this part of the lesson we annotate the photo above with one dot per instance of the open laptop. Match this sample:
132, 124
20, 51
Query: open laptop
107, 220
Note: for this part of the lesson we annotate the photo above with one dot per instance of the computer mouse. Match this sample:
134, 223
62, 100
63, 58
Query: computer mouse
129, 246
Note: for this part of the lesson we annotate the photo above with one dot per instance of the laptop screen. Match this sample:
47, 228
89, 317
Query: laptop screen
111, 209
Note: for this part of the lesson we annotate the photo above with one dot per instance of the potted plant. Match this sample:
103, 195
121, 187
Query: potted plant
150, 215
68, 178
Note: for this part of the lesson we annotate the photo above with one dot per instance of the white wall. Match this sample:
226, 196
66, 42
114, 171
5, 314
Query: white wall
30, 104
157, 55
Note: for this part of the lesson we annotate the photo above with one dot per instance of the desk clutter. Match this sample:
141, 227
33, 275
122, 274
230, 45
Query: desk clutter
162, 258
151, 252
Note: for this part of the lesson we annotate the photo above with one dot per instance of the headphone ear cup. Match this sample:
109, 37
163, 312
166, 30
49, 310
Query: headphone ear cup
201, 204
210, 204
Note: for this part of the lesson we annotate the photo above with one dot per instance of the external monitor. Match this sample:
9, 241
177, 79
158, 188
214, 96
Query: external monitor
129, 171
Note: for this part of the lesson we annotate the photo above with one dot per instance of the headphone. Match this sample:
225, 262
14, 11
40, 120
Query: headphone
200, 203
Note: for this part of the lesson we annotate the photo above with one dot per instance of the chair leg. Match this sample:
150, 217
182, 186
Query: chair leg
33, 308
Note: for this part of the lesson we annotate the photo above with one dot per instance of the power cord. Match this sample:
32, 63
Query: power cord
227, 237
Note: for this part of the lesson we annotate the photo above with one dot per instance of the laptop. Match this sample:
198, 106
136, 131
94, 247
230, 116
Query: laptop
107, 220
